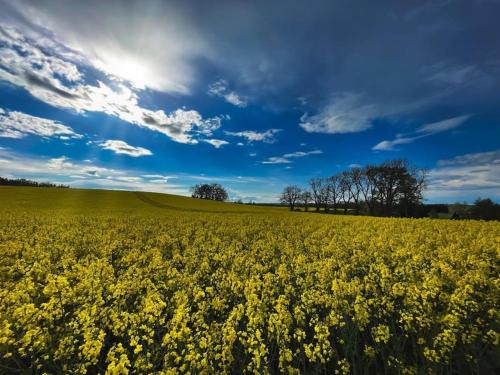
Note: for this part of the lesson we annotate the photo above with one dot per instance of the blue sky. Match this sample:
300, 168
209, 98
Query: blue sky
161, 95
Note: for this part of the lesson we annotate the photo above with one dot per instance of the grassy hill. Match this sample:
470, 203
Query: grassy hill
90, 201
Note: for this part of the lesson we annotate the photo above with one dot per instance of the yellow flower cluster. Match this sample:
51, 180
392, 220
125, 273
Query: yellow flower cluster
190, 292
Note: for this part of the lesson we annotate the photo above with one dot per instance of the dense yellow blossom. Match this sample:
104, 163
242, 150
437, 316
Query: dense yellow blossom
153, 289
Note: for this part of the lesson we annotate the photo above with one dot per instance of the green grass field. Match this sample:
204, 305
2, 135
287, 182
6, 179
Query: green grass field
87, 201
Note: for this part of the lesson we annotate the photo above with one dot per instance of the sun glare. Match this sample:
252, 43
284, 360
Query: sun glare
129, 69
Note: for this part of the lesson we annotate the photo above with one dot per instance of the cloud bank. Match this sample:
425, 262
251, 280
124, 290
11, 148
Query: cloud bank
474, 174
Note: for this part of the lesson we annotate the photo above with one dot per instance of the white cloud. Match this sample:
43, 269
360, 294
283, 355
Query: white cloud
158, 176
15, 124
235, 99
49, 75
36, 67
227, 179
216, 142
64, 166
421, 132
353, 112
344, 113
267, 136
389, 145
181, 125
285, 159
121, 147
476, 174
492, 157
221, 89
276, 160
300, 154
441, 126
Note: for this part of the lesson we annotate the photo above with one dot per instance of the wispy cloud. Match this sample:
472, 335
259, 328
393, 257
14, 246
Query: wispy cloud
492, 157
455, 76
301, 154
354, 112
441, 126
346, 113
285, 159
158, 178
18, 125
476, 174
389, 145
276, 160
221, 89
422, 132
268, 136
228, 179
121, 147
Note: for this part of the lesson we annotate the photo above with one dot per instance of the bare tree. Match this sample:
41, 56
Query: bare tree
316, 185
393, 187
368, 187
290, 196
355, 176
391, 174
306, 199
397, 184
411, 190
345, 183
333, 192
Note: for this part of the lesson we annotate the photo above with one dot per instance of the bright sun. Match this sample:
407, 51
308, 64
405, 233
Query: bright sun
127, 68
132, 71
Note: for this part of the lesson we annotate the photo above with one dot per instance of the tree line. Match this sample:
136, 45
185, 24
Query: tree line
213, 192
482, 209
392, 188
24, 182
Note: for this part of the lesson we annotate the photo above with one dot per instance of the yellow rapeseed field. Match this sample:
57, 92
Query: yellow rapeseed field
117, 282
